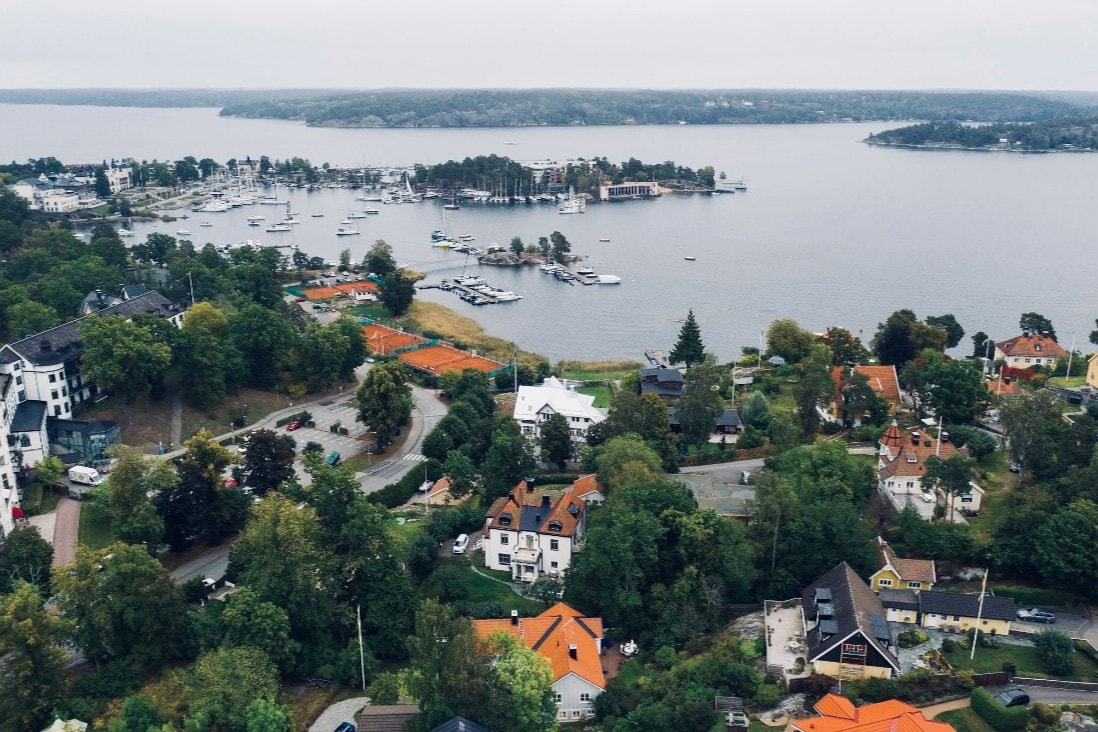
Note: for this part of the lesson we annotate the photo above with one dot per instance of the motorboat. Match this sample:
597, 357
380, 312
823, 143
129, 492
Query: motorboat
345, 222
205, 224
605, 279
290, 221
347, 231
604, 240
356, 215
585, 271
506, 296
254, 223
549, 267
466, 237
690, 259
278, 227
372, 211
317, 216
125, 232
257, 218
182, 232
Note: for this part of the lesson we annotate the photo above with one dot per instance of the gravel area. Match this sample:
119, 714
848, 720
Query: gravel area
343, 711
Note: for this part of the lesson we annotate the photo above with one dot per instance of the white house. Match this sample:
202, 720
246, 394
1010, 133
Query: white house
901, 465
573, 646
45, 367
531, 532
535, 404
55, 201
1029, 349
118, 178
9, 491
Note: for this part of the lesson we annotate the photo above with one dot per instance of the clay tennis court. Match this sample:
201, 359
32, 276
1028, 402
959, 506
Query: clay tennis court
330, 291
440, 359
383, 340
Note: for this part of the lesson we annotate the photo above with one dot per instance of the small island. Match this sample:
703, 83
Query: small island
1061, 134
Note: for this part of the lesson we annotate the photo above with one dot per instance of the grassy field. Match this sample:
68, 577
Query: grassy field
602, 395
1024, 657
965, 720
369, 311
429, 316
95, 527
490, 589
1068, 383
598, 370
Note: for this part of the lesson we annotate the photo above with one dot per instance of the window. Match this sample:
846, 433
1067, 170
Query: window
575, 714
53, 378
884, 582
910, 484
553, 565
956, 618
53, 394
966, 498
554, 545
505, 559
56, 410
18, 380
558, 697
504, 539
914, 585
585, 696
1028, 360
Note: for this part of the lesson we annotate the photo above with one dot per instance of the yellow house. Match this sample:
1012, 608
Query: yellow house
1092, 372
957, 611
901, 574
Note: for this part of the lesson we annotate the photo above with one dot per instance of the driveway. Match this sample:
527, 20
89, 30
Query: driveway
1050, 695
343, 711
727, 473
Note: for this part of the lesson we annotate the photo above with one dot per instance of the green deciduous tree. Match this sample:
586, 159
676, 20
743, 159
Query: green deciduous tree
25, 556
948, 323
786, 338
900, 338
122, 356
268, 461
701, 404
952, 476
138, 715
813, 387
957, 392
556, 440
28, 317
124, 605
1056, 650
199, 503
249, 621
264, 715
264, 339
223, 685
510, 458
379, 259
689, 349
626, 459
560, 245
1038, 324
1067, 548
527, 678
32, 673
397, 292
384, 400
462, 473
132, 481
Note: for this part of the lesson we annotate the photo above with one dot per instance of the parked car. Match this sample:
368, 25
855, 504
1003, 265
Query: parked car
345, 727
295, 425
333, 458
1015, 468
461, 543
299, 299
1036, 615
1013, 698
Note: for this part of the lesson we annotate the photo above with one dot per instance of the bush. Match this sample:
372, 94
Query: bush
751, 438
1003, 719
912, 638
665, 657
1055, 649
831, 428
768, 696
1026, 596
949, 645
32, 499
1010, 667
399, 493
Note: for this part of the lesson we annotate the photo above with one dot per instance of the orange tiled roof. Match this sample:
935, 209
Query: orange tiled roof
882, 380
1031, 344
910, 459
914, 570
892, 436
551, 634
586, 484
521, 499
837, 714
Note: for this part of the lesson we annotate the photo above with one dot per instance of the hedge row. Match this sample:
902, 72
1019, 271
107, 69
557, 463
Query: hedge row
1026, 596
1003, 719
399, 493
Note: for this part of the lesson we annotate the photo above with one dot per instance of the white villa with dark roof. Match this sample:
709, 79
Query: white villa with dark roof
1029, 349
531, 532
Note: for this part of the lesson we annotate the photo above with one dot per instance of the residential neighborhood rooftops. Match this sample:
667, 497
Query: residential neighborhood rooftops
1030, 345
554, 397
853, 607
525, 508
966, 605
881, 379
661, 381
909, 458
562, 635
908, 570
838, 714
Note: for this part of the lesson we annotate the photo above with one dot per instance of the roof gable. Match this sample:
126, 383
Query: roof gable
856, 609
1031, 345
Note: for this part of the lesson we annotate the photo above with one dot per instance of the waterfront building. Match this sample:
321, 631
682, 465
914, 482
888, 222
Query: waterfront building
535, 404
1029, 349
628, 189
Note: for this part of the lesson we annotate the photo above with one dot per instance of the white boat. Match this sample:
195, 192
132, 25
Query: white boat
272, 201
356, 215
505, 296
182, 232
573, 204
347, 231
585, 271
466, 237
317, 216
205, 223
444, 244
690, 259
549, 267
469, 280
257, 218
345, 222
372, 211
607, 280
125, 232
604, 240
368, 198
278, 227
254, 223
290, 221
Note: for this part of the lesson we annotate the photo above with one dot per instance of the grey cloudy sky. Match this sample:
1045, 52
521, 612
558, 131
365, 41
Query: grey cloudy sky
853, 44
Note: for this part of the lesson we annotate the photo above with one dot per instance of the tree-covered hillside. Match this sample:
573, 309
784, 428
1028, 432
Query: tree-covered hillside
1065, 133
520, 108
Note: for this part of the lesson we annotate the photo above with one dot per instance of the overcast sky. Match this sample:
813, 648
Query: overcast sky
849, 44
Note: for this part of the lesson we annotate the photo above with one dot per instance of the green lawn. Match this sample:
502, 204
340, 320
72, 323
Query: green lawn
95, 527
484, 589
1025, 658
965, 720
1068, 383
368, 311
602, 395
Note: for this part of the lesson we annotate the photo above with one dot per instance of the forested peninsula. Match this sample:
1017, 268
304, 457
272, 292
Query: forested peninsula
523, 108
1064, 134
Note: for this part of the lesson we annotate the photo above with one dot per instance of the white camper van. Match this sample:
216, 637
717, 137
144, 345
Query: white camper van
84, 475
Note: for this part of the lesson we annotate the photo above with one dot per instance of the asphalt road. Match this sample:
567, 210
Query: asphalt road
211, 564
426, 413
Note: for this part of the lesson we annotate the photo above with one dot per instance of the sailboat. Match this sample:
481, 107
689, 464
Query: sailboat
452, 205
573, 204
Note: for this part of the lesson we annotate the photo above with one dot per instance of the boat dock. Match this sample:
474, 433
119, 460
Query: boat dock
564, 274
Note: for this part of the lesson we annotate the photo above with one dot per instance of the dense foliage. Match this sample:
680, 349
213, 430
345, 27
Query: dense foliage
1038, 135
518, 108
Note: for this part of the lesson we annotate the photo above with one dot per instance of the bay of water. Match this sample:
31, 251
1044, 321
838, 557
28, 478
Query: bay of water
830, 232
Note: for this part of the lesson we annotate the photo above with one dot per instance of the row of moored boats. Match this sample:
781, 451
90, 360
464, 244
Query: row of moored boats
475, 290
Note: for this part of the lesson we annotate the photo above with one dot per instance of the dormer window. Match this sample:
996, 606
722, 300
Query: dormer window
505, 519
555, 526
1037, 347
911, 457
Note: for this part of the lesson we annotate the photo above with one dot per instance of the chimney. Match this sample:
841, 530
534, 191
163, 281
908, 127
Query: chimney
573, 651
545, 500
915, 437
511, 496
945, 437
529, 485
514, 617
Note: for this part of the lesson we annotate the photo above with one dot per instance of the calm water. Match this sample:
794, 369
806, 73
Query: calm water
831, 232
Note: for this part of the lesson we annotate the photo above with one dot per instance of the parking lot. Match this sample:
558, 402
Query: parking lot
341, 410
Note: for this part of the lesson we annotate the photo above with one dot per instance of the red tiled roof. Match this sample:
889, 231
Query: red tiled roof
892, 436
521, 499
910, 459
837, 714
881, 379
1004, 388
551, 634
913, 570
1031, 345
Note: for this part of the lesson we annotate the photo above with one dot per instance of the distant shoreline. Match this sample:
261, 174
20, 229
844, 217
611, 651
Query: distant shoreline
964, 148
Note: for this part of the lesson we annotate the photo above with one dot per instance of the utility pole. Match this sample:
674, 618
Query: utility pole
361, 652
1070, 354
190, 277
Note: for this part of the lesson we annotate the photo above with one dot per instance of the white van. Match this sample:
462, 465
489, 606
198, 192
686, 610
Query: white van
85, 475
461, 543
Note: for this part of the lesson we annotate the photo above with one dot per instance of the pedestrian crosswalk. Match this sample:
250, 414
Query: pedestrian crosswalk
415, 457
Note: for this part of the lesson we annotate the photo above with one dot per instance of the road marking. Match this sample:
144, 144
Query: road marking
415, 457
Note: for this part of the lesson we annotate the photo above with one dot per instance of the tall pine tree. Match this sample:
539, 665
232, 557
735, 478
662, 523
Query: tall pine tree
690, 349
